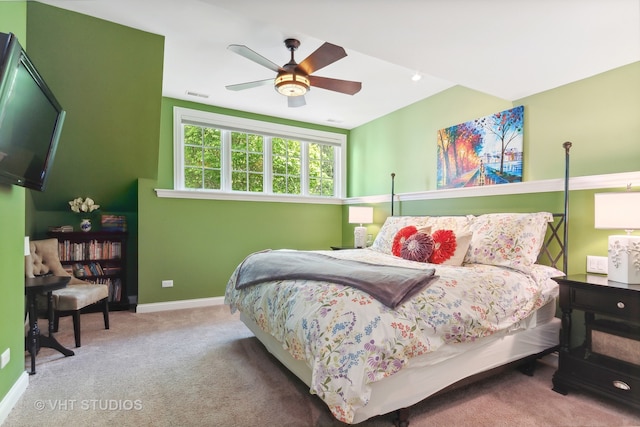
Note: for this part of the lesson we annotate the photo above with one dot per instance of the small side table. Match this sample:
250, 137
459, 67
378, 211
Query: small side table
607, 365
35, 340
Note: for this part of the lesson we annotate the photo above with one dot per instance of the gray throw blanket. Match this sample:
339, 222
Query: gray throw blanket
388, 284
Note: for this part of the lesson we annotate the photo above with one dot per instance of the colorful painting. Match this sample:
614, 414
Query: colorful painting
484, 151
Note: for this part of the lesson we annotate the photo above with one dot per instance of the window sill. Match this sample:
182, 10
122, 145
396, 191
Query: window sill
246, 197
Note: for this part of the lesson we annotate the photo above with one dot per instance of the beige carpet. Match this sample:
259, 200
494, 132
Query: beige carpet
202, 367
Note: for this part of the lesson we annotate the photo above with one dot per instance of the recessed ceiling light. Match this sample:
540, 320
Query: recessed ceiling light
416, 77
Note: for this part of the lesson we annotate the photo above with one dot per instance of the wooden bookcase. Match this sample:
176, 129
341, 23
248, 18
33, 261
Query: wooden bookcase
97, 257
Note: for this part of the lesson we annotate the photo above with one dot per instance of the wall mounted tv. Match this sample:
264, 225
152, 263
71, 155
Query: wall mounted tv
30, 119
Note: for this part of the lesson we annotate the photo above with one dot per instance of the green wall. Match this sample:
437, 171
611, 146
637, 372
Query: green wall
198, 243
13, 18
599, 115
108, 77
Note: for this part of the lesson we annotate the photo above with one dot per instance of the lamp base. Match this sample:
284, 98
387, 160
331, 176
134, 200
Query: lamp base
624, 259
360, 237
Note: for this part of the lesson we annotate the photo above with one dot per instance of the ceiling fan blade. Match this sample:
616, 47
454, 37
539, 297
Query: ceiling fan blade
249, 85
326, 54
296, 101
242, 50
336, 85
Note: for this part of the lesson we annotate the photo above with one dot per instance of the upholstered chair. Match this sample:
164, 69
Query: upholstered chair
78, 294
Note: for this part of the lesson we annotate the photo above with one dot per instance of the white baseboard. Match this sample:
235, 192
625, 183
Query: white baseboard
12, 397
178, 305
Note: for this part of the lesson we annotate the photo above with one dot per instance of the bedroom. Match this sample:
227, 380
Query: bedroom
584, 112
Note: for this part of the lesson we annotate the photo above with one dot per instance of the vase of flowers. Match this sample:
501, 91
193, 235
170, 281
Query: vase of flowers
84, 208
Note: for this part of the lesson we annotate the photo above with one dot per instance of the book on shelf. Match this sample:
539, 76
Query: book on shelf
92, 250
113, 223
110, 271
61, 228
81, 270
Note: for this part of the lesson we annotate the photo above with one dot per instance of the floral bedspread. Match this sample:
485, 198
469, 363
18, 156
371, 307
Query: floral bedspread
350, 339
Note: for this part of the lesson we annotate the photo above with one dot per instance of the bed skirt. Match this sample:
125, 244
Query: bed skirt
419, 379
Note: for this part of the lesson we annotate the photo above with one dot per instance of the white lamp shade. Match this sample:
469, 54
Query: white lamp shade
360, 215
617, 211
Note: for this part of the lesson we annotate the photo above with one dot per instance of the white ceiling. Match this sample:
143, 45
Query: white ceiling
506, 48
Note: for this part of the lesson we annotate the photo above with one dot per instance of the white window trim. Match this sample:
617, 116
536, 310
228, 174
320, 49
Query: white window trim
188, 115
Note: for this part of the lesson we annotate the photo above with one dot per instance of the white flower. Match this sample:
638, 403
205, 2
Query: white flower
87, 205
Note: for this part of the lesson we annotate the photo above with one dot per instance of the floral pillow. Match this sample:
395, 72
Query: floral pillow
508, 239
391, 226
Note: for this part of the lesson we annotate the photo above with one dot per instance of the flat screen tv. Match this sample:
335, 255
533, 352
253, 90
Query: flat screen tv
30, 119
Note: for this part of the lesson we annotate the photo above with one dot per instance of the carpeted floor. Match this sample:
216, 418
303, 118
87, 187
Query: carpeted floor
202, 367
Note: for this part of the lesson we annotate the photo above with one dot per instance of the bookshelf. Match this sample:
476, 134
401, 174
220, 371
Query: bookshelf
97, 257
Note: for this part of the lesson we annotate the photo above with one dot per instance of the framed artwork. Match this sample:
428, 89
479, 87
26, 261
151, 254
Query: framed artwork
484, 151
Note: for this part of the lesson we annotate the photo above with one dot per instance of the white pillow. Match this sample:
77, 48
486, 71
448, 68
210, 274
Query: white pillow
463, 241
458, 224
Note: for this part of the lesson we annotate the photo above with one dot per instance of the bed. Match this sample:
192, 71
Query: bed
480, 300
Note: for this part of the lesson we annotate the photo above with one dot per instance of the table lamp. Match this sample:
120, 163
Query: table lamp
360, 215
621, 211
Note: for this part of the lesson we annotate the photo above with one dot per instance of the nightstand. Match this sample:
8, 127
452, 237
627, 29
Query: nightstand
608, 361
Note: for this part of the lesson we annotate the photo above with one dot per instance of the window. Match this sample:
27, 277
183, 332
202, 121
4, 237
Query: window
286, 165
217, 156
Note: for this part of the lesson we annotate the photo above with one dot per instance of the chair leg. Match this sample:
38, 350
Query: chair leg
105, 312
76, 327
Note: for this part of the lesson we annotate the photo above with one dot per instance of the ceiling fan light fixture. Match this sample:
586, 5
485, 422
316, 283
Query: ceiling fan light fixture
291, 84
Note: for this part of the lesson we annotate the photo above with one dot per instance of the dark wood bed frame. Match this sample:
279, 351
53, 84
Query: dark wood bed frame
554, 250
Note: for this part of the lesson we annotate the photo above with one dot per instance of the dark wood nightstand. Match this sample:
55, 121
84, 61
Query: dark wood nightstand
608, 361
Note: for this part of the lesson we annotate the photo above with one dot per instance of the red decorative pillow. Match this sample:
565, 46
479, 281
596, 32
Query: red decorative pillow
400, 237
418, 247
444, 246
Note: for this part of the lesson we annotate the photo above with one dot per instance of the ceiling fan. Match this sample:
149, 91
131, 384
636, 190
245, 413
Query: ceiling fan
294, 80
